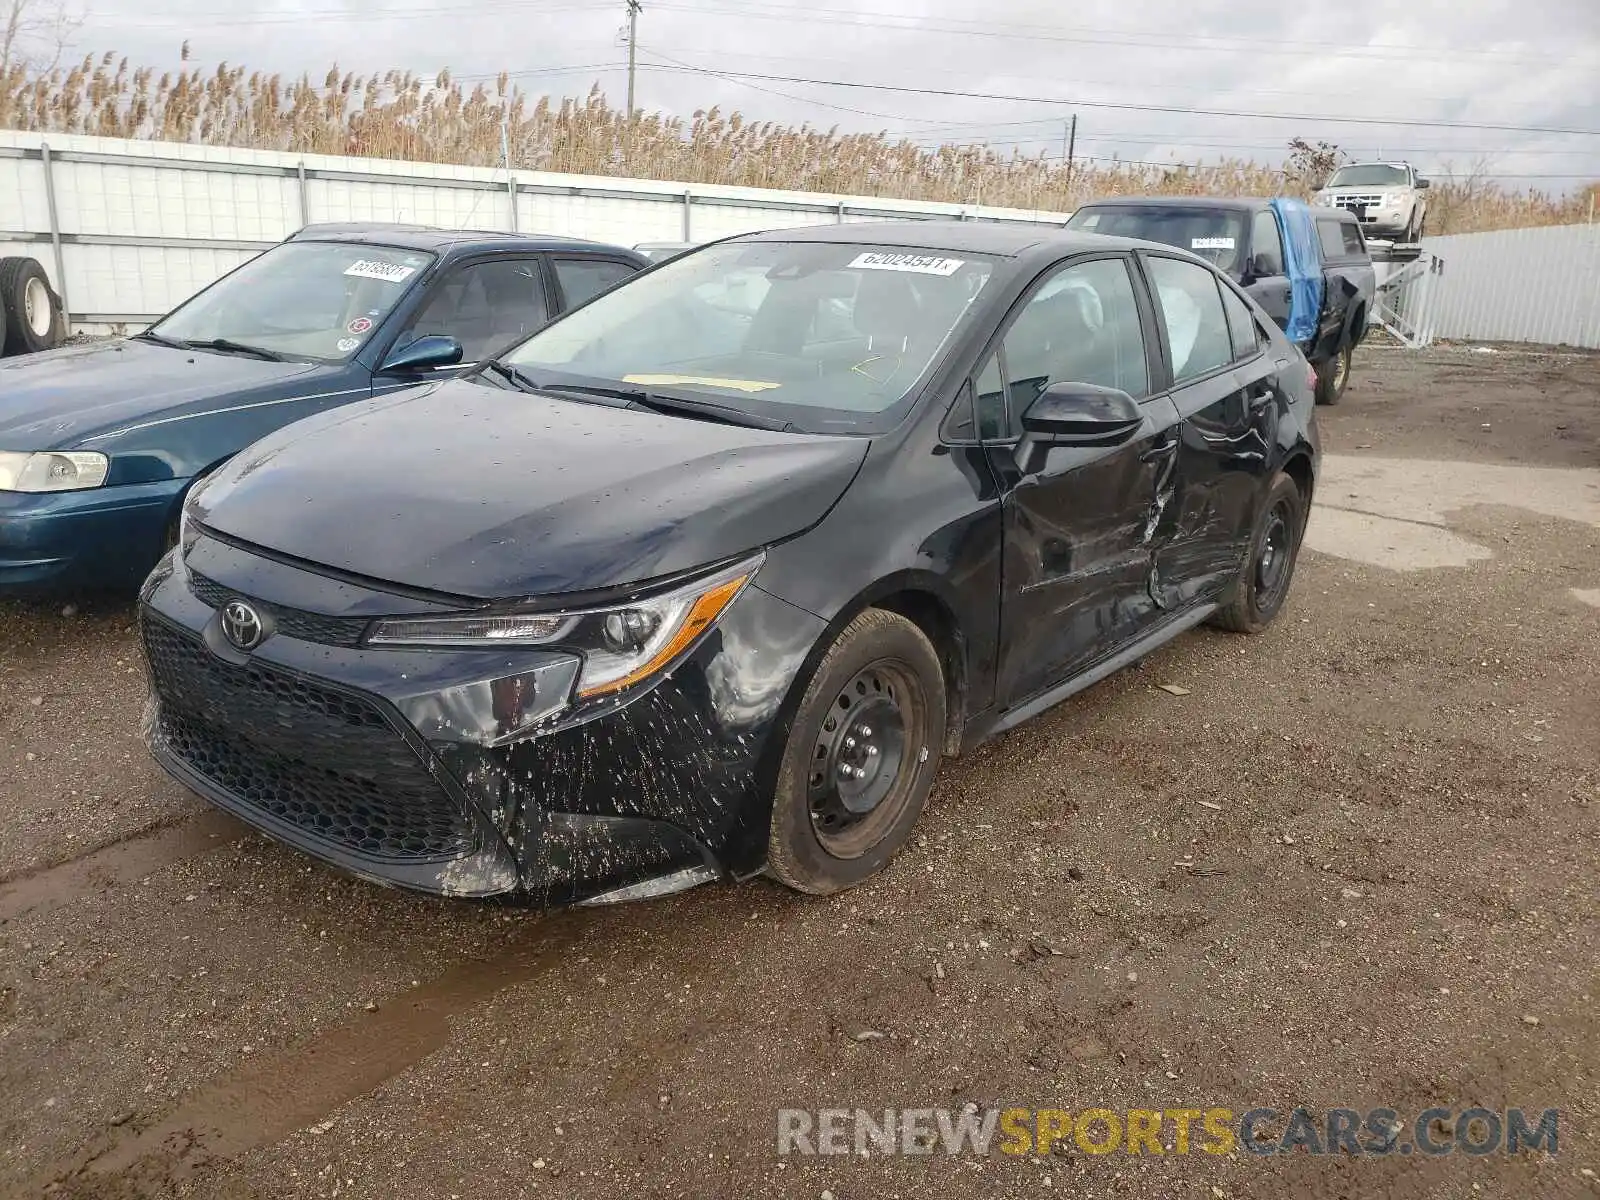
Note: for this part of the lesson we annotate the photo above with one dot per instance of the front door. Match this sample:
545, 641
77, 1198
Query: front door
486, 304
1268, 280
1225, 386
1079, 531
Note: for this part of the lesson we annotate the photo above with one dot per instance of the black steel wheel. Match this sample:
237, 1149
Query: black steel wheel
861, 755
1263, 583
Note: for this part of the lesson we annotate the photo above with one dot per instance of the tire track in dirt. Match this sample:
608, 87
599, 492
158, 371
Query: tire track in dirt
119, 862
272, 1097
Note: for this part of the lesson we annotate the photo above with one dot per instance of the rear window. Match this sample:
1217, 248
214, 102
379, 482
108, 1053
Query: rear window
1332, 239
1216, 235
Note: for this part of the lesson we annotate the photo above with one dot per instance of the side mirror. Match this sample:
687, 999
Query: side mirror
424, 354
1075, 414
1423, 185
1262, 267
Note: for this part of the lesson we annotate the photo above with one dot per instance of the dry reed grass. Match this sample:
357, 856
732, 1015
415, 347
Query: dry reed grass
399, 115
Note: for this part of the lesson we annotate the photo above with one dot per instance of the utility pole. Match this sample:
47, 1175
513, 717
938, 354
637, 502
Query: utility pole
1071, 140
633, 37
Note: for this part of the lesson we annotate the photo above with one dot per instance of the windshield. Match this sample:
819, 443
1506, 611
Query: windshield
830, 337
1215, 235
1370, 175
312, 300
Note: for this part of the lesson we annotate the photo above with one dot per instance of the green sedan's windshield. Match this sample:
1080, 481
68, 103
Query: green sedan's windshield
826, 336
300, 300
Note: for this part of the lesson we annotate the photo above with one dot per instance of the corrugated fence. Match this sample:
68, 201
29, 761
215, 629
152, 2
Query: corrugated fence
1518, 285
128, 229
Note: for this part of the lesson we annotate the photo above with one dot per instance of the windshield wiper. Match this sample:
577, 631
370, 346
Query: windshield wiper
157, 339
676, 406
706, 410
228, 346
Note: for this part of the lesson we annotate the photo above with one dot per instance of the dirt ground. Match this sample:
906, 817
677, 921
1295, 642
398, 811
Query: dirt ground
1355, 865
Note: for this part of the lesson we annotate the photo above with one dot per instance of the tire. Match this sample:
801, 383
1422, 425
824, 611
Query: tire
33, 319
1333, 375
829, 833
1263, 583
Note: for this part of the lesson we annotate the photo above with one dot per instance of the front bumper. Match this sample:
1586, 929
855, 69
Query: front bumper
387, 763
104, 537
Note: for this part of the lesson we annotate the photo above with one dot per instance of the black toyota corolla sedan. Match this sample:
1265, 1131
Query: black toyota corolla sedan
709, 575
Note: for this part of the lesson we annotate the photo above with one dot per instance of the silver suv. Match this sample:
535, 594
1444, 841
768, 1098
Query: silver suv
1389, 199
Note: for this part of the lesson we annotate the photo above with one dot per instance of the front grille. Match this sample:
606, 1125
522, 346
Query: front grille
321, 759
291, 622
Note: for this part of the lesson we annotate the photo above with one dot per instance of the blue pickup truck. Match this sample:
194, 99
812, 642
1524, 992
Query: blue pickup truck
100, 441
1308, 268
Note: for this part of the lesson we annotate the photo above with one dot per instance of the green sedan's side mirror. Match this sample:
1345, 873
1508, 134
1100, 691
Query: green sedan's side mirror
425, 354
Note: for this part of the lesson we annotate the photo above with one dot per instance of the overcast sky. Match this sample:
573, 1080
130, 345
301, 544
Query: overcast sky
1466, 62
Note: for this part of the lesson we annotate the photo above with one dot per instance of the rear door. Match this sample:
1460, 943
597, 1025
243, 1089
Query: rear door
1078, 532
580, 277
1266, 279
1224, 384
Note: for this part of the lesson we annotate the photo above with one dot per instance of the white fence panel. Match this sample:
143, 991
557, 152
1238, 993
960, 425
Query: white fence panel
128, 229
1537, 285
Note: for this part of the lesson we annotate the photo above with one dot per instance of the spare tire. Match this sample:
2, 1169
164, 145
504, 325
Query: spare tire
33, 318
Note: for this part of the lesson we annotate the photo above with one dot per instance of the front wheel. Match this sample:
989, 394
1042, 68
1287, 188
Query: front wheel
1263, 584
1333, 375
861, 755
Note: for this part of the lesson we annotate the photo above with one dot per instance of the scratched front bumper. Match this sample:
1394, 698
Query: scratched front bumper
349, 759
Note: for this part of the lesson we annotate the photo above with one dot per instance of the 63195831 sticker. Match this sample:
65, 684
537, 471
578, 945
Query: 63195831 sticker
368, 268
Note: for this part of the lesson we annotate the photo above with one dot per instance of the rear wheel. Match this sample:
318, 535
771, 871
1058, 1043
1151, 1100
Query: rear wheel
861, 756
33, 320
1262, 586
1333, 375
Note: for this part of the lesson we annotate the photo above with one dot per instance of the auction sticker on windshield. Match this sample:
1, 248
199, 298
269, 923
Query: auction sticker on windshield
367, 268
923, 264
1211, 243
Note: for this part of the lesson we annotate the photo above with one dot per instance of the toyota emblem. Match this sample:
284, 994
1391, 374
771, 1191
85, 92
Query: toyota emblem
241, 625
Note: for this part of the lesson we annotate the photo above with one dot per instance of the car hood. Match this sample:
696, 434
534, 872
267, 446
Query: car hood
464, 489
57, 399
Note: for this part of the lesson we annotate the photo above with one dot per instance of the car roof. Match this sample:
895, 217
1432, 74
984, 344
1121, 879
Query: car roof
972, 237
439, 240
1229, 203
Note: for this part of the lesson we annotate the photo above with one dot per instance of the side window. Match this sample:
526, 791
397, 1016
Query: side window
583, 278
1266, 243
1332, 239
1080, 326
1191, 310
1354, 244
1242, 329
485, 306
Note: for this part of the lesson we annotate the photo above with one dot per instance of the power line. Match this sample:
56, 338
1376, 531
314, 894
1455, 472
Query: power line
1188, 42
1067, 102
1080, 79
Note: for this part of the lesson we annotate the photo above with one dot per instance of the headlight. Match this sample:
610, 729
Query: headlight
621, 645
52, 471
